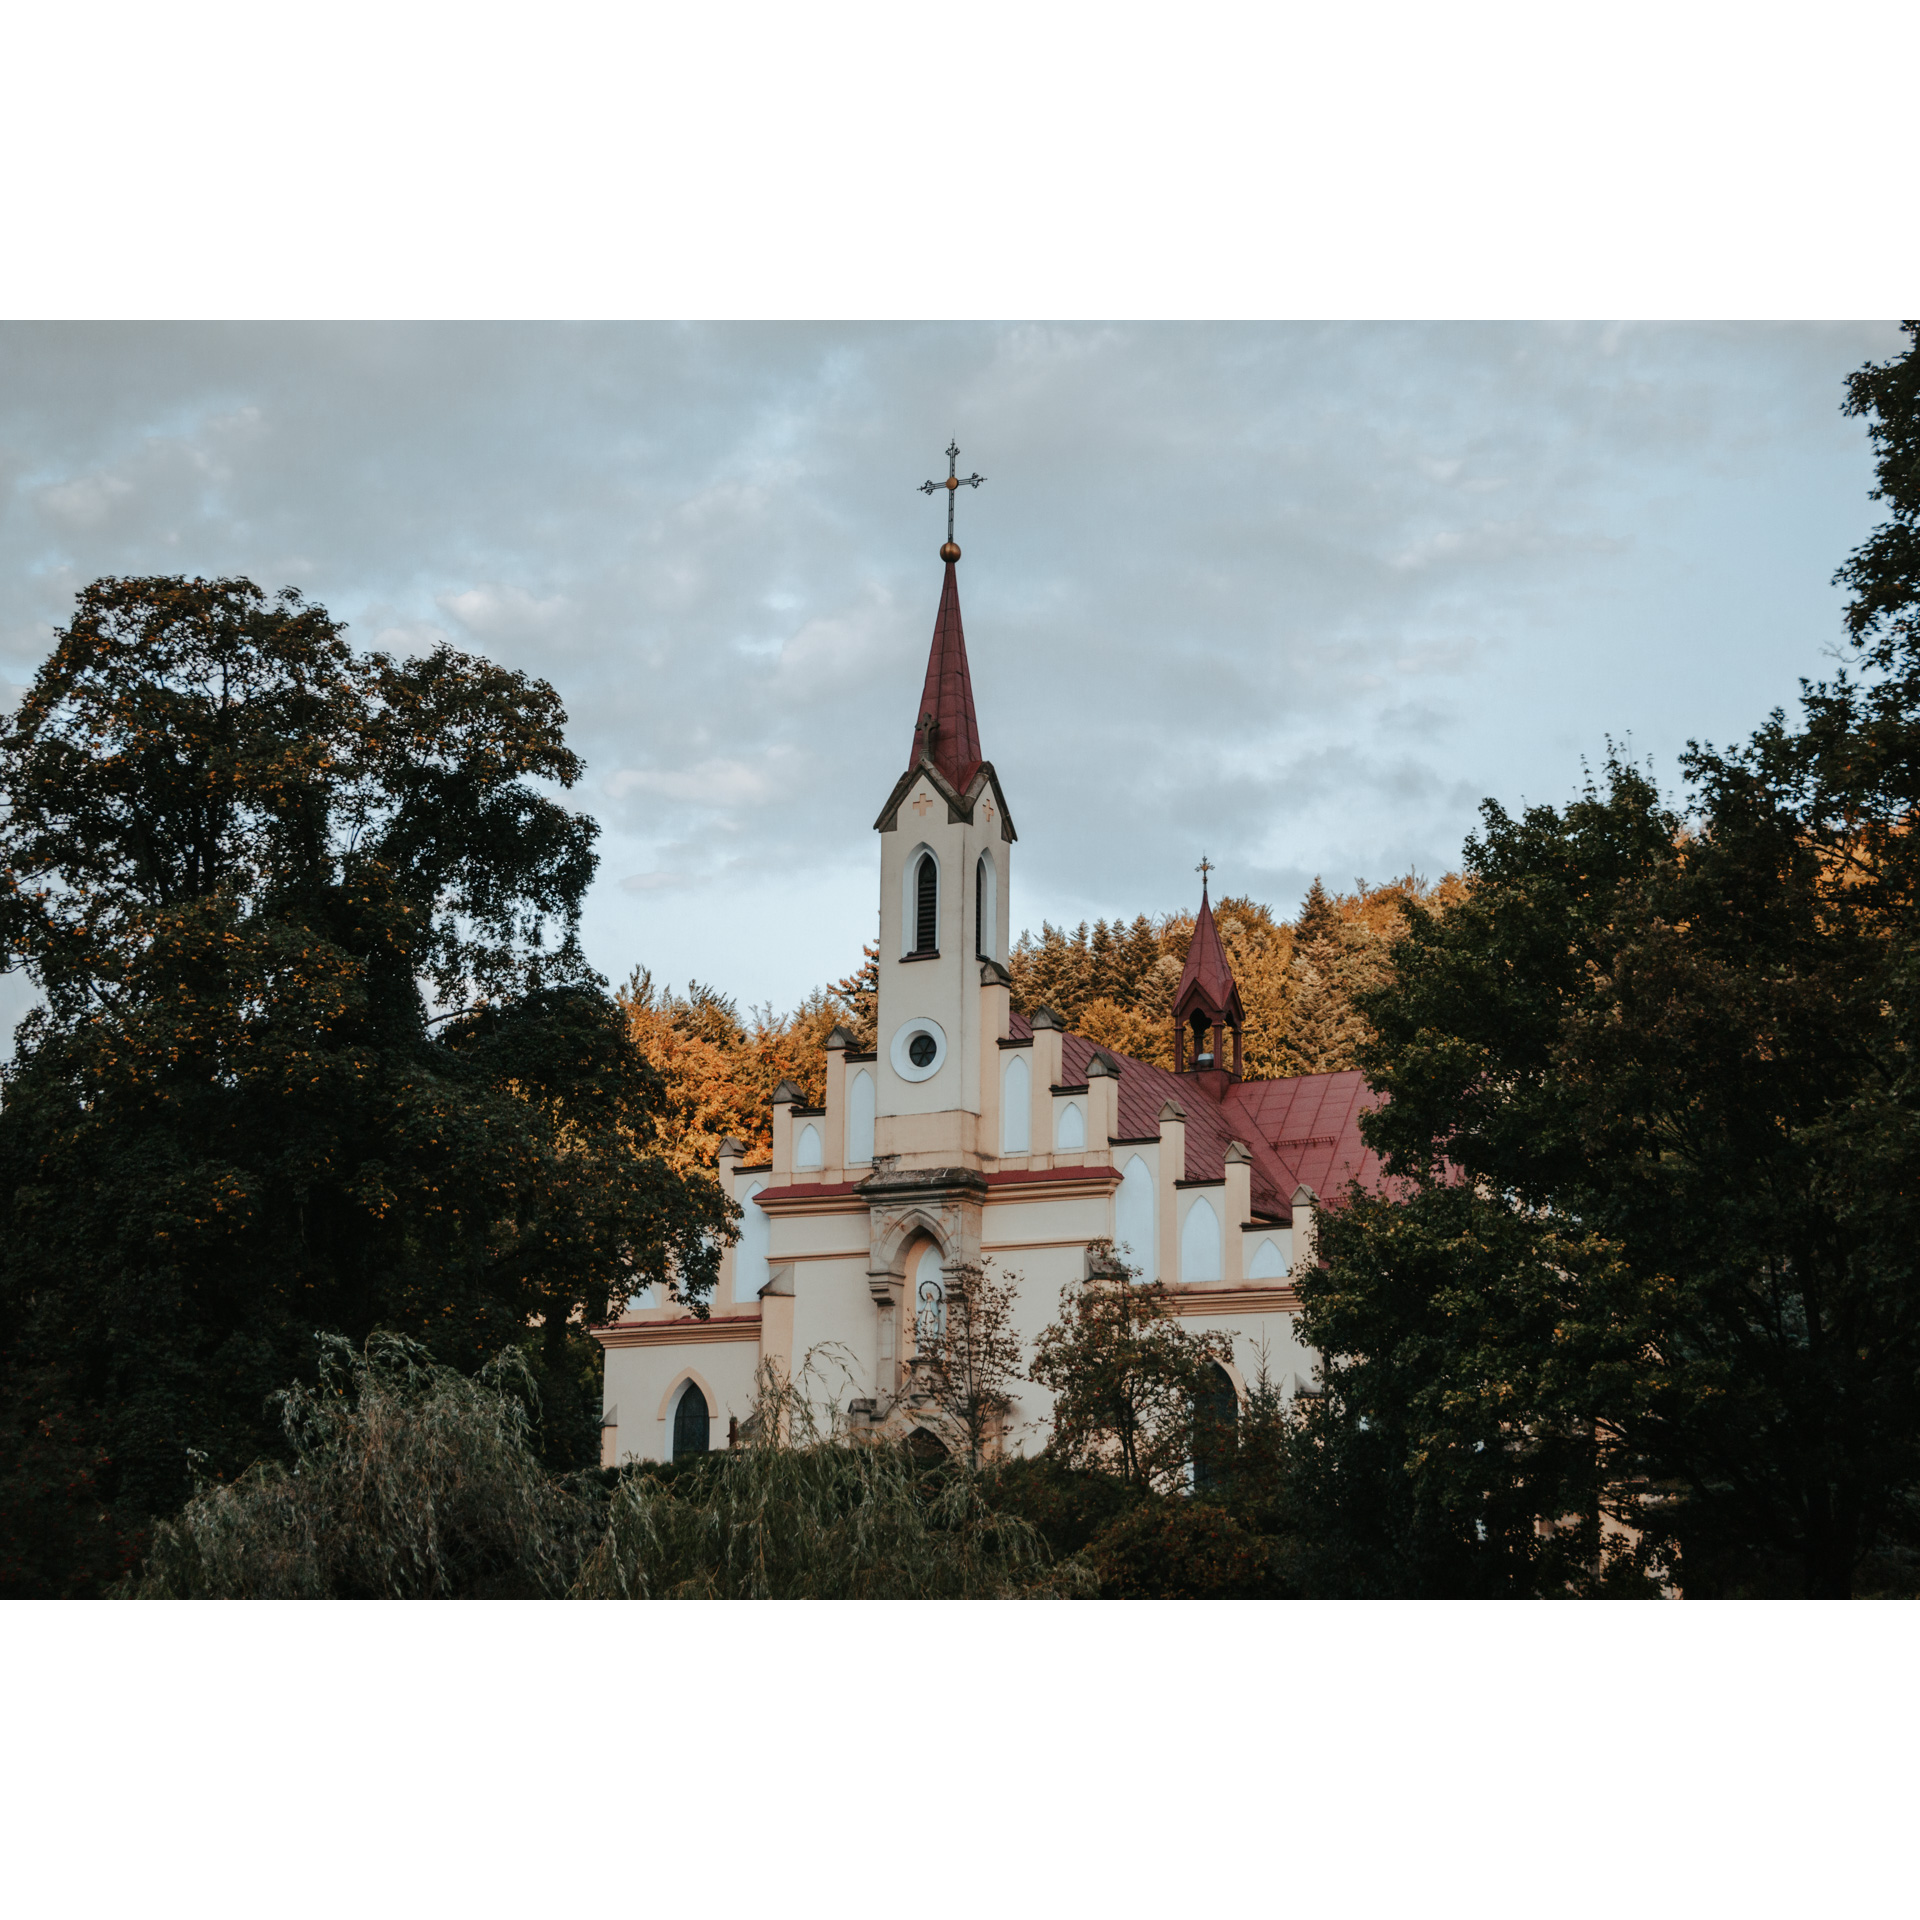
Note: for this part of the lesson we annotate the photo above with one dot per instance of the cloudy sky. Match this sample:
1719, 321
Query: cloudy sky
1297, 595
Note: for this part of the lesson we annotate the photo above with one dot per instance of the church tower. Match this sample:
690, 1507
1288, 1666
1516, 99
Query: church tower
945, 867
1207, 1015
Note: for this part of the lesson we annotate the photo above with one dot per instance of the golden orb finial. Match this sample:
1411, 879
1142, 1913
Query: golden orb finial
949, 552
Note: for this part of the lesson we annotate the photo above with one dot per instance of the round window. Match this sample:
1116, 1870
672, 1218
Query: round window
918, 1048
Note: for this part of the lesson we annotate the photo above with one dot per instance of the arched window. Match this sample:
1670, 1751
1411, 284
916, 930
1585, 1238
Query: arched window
1133, 1218
986, 911
1016, 1105
926, 905
929, 1300
690, 1423
1273, 1256
750, 1250
1200, 1241
1216, 1415
860, 1120
1070, 1126
806, 1150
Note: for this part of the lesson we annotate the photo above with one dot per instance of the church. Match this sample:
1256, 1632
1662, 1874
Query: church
976, 1133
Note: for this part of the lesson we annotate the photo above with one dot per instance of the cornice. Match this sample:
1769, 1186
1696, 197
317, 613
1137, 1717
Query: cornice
1281, 1299
678, 1333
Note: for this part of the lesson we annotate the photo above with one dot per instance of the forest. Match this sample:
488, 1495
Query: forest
325, 1145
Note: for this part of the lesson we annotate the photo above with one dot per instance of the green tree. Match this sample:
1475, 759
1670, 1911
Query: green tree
319, 1051
1655, 1278
1126, 1376
1652, 1288
975, 1350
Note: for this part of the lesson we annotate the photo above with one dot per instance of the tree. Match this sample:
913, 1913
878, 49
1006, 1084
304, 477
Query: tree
974, 1350
858, 994
1126, 1376
1651, 1089
410, 1481
1116, 982
720, 1072
244, 865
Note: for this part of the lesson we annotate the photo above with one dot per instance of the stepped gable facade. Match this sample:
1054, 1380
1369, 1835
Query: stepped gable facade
974, 1132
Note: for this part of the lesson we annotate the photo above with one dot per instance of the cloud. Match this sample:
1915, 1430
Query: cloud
508, 613
709, 783
1297, 593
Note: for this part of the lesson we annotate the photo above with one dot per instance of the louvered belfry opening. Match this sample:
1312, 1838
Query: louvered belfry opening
926, 889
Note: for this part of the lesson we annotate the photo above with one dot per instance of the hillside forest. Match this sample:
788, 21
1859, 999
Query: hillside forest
1301, 981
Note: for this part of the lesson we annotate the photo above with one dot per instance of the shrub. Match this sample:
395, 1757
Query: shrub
1186, 1549
410, 1480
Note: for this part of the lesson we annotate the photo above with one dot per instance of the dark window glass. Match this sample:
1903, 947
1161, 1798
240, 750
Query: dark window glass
927, 903
1216, 1412
690, 1422
980, 910
921, 1049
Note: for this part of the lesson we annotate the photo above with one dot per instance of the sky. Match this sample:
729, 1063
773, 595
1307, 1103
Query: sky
1296, 595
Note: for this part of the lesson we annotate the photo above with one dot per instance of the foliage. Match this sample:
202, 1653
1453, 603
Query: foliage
1654, 1095
812, 1517
409, 1481
1067, 1506
1125, 1374
1300, 983
858, 995
974, 1352
719, 1071
1883, 574
1180, 1549
239, 859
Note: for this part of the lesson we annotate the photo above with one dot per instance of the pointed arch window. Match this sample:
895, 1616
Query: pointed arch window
751, 1249
926, 905
1133, 1219
1216, 1416
986, 910
860, 1119
1200, 1241
692, 1430
1016, 1105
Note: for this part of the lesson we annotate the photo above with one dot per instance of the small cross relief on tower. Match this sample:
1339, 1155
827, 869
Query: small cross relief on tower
921, 802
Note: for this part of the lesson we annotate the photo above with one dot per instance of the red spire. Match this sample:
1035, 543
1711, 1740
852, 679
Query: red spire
947, 699
1207, 969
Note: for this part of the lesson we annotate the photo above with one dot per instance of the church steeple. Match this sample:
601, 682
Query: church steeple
1207, 1003
944, 729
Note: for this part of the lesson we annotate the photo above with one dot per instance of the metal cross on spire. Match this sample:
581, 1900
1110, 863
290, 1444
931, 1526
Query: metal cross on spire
1205, 867
953, 483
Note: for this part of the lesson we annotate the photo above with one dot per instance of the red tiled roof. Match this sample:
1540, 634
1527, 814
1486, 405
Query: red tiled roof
948, 696
1303, 1131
